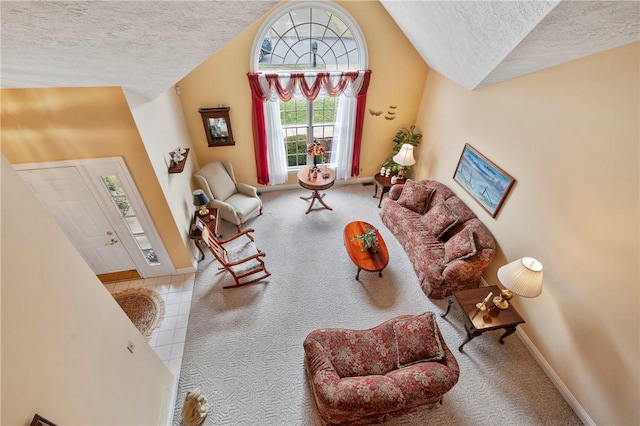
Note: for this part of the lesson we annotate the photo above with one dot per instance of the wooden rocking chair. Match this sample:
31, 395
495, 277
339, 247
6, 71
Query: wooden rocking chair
243, 260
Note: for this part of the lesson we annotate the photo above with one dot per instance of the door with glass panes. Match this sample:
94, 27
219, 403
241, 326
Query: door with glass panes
102, 214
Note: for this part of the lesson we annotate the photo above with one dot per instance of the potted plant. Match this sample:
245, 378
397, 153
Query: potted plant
403, 136
369, 239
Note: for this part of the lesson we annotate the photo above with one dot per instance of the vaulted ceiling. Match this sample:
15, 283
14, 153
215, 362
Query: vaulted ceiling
147, 46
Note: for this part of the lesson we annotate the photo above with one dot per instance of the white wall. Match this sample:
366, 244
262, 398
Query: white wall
64, 338
162, 128
570, 137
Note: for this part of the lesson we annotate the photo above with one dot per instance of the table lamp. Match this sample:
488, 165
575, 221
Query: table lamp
201, 200
404, 157
522, 277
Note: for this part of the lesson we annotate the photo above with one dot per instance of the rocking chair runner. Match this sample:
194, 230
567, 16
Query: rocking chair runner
243, 260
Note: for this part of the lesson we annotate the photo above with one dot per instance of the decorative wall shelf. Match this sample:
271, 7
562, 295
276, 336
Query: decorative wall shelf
178, 166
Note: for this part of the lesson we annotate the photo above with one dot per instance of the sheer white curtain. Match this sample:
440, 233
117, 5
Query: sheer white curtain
345, 127
276, 155
275, 87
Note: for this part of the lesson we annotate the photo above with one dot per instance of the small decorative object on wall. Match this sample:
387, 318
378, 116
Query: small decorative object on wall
178, 159
481, 178
217, 126
41, 421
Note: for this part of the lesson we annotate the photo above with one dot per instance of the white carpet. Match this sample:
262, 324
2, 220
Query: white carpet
244, 345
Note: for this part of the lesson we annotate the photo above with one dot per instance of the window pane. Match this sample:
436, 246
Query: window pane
134, 225
113, 185
150, 257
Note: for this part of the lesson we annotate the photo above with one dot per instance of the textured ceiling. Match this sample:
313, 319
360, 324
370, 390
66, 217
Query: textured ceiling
143, 46
147, 46
484, 42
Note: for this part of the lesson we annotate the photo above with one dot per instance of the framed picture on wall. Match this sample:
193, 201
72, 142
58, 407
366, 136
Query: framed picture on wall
40, 421
487, 183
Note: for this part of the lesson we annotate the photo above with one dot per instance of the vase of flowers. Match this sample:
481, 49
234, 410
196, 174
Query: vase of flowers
369, 240
315, 150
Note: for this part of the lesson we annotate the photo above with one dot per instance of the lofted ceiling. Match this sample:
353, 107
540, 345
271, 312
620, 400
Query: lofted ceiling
147, 46
143, 46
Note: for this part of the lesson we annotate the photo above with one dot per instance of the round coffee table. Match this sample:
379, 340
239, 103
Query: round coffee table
318, 184
365, 259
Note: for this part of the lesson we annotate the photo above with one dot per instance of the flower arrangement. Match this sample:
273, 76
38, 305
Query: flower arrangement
315, 149
369, 239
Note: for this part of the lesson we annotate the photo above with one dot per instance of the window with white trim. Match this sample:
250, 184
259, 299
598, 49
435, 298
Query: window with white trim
308, 37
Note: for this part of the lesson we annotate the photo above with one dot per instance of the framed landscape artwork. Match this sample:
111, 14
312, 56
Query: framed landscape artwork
481, 178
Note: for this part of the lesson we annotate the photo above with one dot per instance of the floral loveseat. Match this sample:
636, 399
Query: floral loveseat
362, 376
448, 246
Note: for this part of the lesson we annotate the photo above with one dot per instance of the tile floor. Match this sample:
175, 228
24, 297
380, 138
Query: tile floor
168, 339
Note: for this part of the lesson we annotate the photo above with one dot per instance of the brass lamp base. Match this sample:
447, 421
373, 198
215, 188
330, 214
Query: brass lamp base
203, 211
500, 302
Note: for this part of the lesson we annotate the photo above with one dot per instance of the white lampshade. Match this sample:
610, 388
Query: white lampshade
522, 276
404, 157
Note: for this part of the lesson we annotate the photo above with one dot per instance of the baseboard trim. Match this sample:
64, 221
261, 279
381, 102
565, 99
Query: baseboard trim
286, 186
550, 372
188, 270
172, 403
555, 379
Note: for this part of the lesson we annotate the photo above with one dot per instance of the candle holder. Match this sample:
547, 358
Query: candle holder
481, 306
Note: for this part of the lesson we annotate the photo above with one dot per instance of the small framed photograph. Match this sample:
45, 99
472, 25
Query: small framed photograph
41, 421
487, 183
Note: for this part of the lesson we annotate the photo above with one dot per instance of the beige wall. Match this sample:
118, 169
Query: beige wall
569, 135
162, 129
64, 338
76, 123
398, 77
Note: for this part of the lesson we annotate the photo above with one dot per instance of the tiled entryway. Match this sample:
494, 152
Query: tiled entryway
168, 339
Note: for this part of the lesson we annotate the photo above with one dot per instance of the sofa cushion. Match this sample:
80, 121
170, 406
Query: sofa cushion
415, 196
439, 219
460, 246
417, 340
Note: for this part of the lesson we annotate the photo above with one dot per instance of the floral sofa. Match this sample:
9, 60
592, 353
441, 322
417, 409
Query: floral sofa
363, 376
448, 246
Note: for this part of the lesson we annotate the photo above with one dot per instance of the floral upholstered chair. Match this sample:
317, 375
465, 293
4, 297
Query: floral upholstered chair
360, 376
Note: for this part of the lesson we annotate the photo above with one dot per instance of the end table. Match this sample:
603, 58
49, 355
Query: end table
477, 322
385, 185
195, 233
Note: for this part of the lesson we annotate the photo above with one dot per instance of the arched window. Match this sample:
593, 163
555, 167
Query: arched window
308, 77
309, 36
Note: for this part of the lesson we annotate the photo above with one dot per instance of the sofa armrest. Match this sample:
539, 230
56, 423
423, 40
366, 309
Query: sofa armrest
394, 192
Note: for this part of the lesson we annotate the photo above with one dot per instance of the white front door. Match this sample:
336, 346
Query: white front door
99, 207
64, 193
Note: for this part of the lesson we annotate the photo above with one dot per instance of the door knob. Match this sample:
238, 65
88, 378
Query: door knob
112, 242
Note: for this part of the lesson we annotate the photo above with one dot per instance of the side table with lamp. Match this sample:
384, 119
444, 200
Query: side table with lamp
404, 158
207, 216
385, 180
522, 277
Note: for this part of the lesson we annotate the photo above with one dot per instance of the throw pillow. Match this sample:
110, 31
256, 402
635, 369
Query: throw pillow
460, 246
415, 196
439, 219
417, 340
